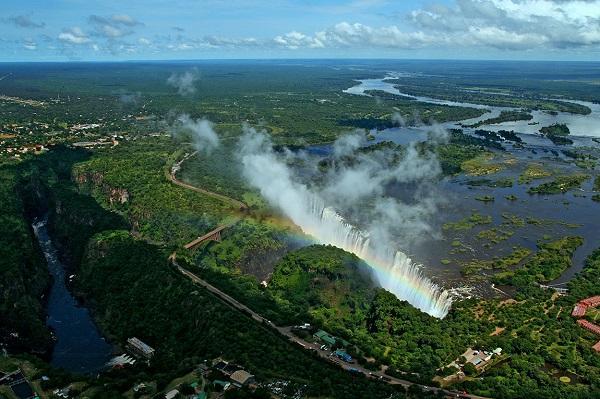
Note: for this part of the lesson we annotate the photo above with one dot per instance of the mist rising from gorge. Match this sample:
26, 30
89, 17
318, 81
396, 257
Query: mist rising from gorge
348, 186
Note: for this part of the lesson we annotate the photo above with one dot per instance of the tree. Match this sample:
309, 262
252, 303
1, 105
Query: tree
470, 369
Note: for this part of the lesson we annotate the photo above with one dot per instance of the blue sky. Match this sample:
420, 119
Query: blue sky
55, 30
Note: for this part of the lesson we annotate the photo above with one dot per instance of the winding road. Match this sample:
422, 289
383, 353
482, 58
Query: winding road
171, 175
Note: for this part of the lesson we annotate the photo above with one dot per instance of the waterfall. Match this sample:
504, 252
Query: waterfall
394, 270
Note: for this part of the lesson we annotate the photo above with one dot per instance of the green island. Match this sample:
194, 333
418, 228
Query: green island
557, 133
560, 184
505, 116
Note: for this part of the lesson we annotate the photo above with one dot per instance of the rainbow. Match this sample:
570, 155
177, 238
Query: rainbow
393, 270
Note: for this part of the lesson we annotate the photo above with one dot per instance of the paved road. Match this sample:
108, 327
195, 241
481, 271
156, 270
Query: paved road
232, 201
314, 347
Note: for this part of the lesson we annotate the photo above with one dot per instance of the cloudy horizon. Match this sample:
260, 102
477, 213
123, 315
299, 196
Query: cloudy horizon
63, 30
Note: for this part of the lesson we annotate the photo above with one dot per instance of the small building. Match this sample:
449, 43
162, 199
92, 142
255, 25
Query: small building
342, 354
120, 361
172, 394
591, 302
203, 368
220, 365
325, 337
223, 384
230, 368
241, 378
579, 310
589, 326
596, 347
140, 349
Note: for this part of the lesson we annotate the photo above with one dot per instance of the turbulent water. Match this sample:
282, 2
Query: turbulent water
393, 269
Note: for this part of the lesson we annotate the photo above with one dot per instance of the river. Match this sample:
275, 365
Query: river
579, 125
574, 206
79, 347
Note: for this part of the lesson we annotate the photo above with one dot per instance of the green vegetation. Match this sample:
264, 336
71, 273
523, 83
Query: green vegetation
468, 223
501, 183
583, 159
463, 148
481, 165
494, 235
551, 259
116, 218
533, 171
512, 220
131, 179
23, 275
207, 171
560, 184
505, 116
185, 323
518, 255
324, 285
485, 198
557, 133
460, 90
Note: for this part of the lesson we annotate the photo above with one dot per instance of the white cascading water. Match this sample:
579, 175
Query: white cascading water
393, 269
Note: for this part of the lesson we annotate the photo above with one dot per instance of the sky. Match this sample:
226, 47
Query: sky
117, 30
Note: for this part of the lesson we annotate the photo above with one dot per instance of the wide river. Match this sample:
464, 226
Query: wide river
579, 125
574, 206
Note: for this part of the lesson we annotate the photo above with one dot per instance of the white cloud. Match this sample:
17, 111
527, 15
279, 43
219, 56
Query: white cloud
29, 44
124, 19
113, 27
508, 25
294, 40
502, 24
74, 36
359, 35
514, 24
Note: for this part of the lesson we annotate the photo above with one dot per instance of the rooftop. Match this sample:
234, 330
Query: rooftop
241, 377
138, 344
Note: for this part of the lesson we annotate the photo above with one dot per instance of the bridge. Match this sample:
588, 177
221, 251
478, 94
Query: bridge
214, 235
555, 287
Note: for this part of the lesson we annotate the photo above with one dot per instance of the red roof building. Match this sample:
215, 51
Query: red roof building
579, 310
589, 326
591, 302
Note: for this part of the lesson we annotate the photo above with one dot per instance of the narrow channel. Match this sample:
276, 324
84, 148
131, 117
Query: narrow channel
79, 347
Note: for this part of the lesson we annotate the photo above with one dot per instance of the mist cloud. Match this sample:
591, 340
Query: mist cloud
184, 82
357, 186
201, 130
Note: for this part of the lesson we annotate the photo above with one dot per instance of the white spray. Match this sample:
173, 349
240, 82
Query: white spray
393, 269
